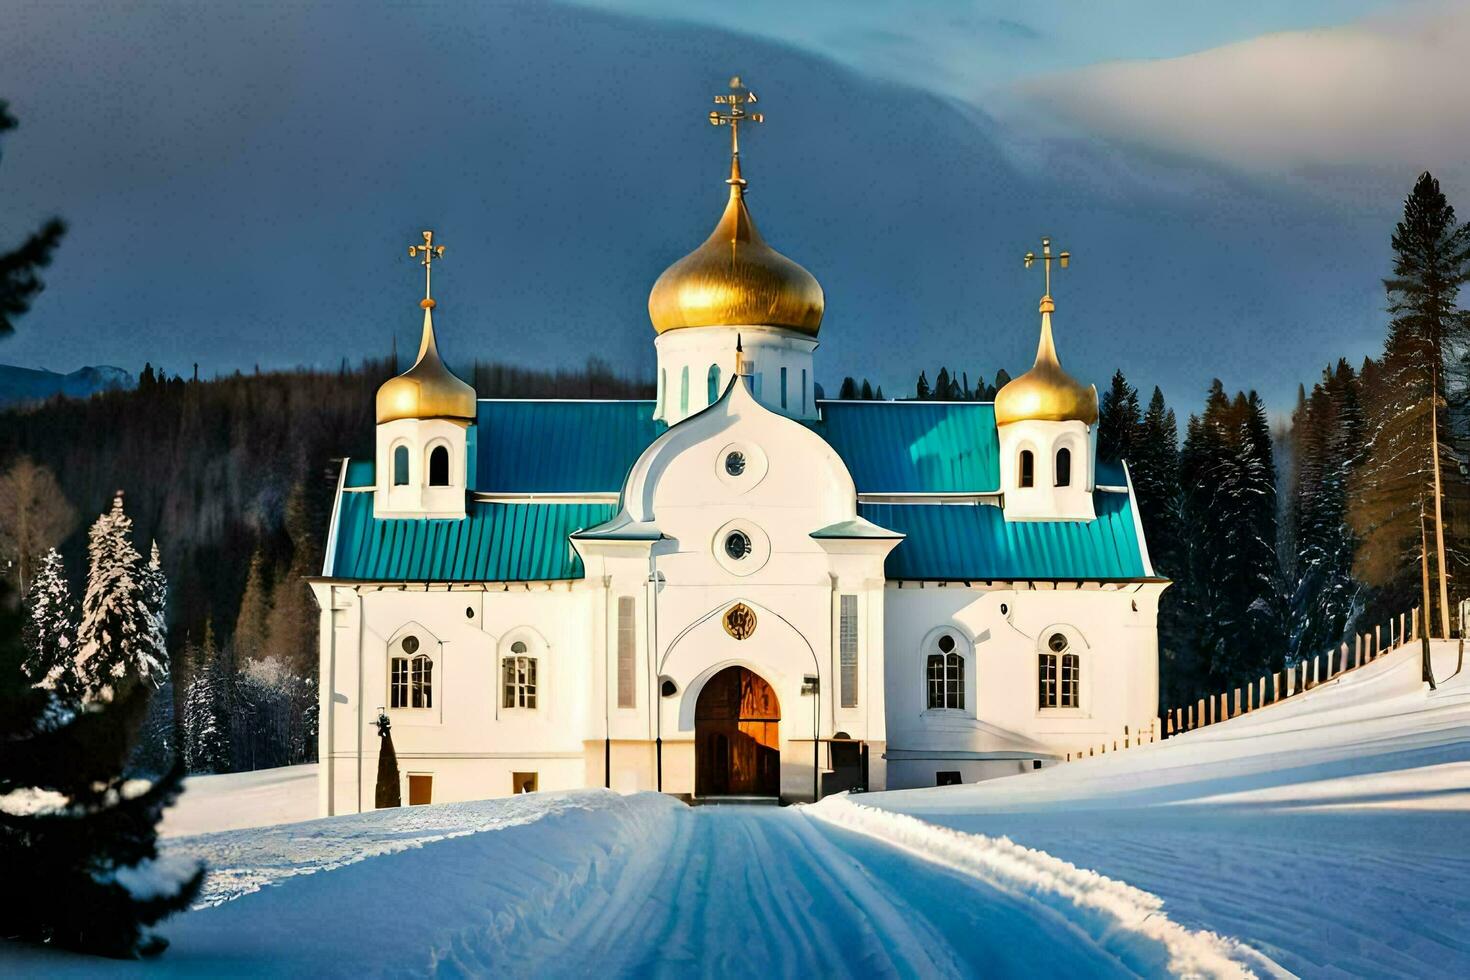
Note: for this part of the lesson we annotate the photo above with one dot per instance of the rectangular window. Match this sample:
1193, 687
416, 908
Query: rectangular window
1046, 681
420, 789
519, 675
627, 648
523, 782
398, 685
421, 681
936, 681
783, 387
1071, 678
848, 650
803, 391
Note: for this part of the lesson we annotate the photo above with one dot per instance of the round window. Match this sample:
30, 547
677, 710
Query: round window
735, 463
737, 544
410, 644
1057, 642
946, 643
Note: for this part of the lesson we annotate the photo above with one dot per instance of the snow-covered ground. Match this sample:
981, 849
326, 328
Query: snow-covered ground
243, 799
1324, 836
1331, 831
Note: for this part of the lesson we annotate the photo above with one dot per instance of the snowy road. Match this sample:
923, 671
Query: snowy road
594, 884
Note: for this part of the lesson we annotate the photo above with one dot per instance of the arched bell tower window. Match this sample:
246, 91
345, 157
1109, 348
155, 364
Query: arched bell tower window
1064, 467
439, 467
1027, 476
400, 466
945, 673
714, 383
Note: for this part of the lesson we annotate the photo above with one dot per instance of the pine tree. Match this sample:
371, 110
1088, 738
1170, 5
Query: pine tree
1119, 420
206, 732
252, 625
50, 632
155, 598
1410, 490
848, 391
921, 390
878, 395
867, 393
81, 875
116, 636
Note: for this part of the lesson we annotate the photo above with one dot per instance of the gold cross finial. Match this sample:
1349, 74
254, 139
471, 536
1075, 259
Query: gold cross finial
737, 100
1064, 259
431, 253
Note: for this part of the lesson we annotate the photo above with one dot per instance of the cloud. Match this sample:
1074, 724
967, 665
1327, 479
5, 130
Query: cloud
1380, 98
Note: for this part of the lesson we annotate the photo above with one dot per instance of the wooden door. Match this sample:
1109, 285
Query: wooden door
420, 789
737, 736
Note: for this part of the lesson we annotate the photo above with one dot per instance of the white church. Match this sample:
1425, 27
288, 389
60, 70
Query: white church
738, 589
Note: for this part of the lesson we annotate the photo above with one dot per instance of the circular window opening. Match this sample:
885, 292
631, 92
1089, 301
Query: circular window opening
946, 643
668, 688
1057, 642
737, 544
735, 463
469, 612
1004, 609
410, 644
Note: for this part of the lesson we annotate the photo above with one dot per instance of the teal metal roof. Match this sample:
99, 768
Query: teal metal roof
915, 447
974, 542
561, 446
494, 543
589, 446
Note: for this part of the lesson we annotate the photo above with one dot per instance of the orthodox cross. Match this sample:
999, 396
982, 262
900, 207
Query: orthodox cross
737, 100
1063, 259
431, 253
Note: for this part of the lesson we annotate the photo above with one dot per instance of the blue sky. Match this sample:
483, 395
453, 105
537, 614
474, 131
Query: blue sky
242, 181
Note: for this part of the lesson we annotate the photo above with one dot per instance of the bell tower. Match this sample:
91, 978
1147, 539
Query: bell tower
426, 419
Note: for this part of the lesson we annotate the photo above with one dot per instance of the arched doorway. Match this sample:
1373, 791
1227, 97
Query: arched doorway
737, 739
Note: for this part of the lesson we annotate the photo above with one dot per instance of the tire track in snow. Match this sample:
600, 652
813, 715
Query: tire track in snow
1125, 920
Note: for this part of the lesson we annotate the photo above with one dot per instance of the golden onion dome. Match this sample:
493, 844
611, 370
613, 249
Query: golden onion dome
428, 390
1046, 393
736, 279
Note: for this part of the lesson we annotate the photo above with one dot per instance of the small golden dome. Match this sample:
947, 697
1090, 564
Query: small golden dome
736, 279
1046, 392
428, 390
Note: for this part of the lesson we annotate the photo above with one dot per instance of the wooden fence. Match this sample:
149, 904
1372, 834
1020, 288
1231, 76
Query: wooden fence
1268, 690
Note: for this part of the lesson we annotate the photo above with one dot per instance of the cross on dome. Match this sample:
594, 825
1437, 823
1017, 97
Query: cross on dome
431, 253
737, 100
1064, 259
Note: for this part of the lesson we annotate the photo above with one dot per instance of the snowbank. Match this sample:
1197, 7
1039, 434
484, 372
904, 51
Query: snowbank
1129, 923
1331, 831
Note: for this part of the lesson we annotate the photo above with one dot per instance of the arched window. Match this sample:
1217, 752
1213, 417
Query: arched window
783, 387
1059, 677
714, 383
663, 386
400, 466
1064, 467
684, 391
518, 675
1027, 476
439, 467
946, 675
410, 676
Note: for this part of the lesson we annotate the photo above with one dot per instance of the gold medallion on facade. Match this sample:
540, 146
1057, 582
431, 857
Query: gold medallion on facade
740, 621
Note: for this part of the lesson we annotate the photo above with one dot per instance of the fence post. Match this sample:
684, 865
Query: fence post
1414, 622
1402, 637
1344, 658
1190, 718
1261, 695
1378, 639
1125, 738
1224, 706
1236, 712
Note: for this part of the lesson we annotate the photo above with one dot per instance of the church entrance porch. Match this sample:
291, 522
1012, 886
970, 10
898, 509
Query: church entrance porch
737, 744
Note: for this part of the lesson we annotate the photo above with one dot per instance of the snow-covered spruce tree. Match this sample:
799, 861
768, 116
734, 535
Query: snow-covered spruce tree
81, 874
206, 730
50, 631
116, 637
159, 744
